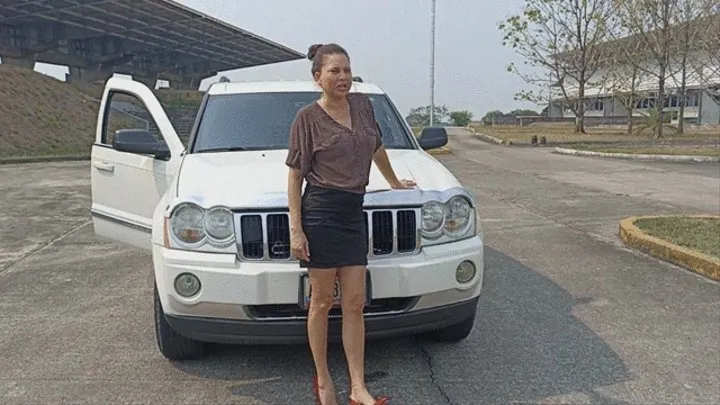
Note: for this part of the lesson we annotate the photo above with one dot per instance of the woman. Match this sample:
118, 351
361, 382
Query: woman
333, 143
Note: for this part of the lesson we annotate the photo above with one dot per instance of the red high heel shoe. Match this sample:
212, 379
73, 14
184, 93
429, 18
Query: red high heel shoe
378, 401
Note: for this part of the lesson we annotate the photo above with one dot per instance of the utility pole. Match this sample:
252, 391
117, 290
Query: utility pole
550, 86
432, 67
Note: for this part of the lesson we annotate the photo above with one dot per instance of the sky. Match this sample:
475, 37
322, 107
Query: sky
389, 45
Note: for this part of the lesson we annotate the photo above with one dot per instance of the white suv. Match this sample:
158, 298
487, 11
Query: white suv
214, 215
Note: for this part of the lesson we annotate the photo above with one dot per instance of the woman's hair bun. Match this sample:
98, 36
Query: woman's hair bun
313, 50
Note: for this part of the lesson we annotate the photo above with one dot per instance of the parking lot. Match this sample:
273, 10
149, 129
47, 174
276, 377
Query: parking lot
568, 314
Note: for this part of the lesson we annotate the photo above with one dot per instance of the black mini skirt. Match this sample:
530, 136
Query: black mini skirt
334, 224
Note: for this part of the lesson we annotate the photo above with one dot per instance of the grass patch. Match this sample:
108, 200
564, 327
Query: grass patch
692, 150
563, 133
443, 150
41, 116
701, 234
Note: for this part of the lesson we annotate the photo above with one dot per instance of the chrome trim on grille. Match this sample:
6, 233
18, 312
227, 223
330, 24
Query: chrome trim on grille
281, 246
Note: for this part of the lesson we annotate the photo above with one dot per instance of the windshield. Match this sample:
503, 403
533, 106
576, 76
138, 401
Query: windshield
260, 121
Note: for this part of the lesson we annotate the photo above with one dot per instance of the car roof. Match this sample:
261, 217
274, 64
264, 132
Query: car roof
277, 86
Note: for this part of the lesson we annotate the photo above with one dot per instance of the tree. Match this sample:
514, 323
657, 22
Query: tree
489, 117
461, 118
709, 50
648, 23
561, 40
657, 44
691, 22
623, 75
521, 112
420, 116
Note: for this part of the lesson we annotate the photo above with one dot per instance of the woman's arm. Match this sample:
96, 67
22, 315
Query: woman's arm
382, 161
295, 181
298, 242
298, 160
380, 157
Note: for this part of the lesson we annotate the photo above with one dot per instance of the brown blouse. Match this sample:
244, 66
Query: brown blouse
331, 155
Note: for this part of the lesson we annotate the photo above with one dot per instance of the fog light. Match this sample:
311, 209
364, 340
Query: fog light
465, 272
187, 285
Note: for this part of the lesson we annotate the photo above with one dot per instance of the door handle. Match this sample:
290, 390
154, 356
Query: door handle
106, 167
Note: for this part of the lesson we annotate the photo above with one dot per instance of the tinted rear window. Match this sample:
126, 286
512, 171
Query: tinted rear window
259, 121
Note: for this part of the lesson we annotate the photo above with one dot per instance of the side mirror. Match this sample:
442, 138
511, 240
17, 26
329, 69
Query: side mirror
433, 137
140, 141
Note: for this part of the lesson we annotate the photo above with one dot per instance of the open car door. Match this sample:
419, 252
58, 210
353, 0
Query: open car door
134, 159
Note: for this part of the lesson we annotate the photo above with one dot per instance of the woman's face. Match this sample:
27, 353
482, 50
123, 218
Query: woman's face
335, 76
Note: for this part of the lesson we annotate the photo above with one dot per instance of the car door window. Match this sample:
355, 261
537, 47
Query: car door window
126, 111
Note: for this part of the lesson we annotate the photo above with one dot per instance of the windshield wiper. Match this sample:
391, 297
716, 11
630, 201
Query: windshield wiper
228, 149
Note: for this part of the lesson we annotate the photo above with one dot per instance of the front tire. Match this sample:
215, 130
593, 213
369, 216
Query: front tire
171, 344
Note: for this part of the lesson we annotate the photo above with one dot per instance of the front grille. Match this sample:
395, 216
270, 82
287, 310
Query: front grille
382, 232
252, 236
266, 236
407, 231
278, 231
376, 307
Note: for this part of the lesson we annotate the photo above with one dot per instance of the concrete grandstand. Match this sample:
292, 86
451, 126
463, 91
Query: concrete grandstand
150, 40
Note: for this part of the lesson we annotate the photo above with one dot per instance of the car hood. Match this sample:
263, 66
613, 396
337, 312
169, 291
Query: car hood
259, 178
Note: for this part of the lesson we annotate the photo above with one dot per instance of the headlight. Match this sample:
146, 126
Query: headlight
218, 224
191, 226
458, 214
433, 216
445, 222
186, 224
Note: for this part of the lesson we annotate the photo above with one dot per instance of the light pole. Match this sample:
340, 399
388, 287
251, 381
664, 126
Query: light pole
432, 67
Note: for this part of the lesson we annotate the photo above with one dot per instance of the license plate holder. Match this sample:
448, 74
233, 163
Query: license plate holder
306, 291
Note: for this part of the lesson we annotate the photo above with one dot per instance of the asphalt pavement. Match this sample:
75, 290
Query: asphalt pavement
568, 314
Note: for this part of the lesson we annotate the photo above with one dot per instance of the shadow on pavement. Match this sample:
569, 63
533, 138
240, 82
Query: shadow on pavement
526, 346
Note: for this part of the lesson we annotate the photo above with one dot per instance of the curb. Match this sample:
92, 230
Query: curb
492, 139
40, 159
488, 138
639, 156
690, 259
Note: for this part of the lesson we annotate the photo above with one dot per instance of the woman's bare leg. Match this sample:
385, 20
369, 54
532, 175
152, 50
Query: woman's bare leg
322, 282
352, 290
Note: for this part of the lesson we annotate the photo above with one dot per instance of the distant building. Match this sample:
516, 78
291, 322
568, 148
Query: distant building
613, 89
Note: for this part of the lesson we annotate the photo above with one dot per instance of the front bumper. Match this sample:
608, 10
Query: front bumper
259, 301
295, 331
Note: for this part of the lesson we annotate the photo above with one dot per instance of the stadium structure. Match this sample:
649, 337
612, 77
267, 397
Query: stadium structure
148, 39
